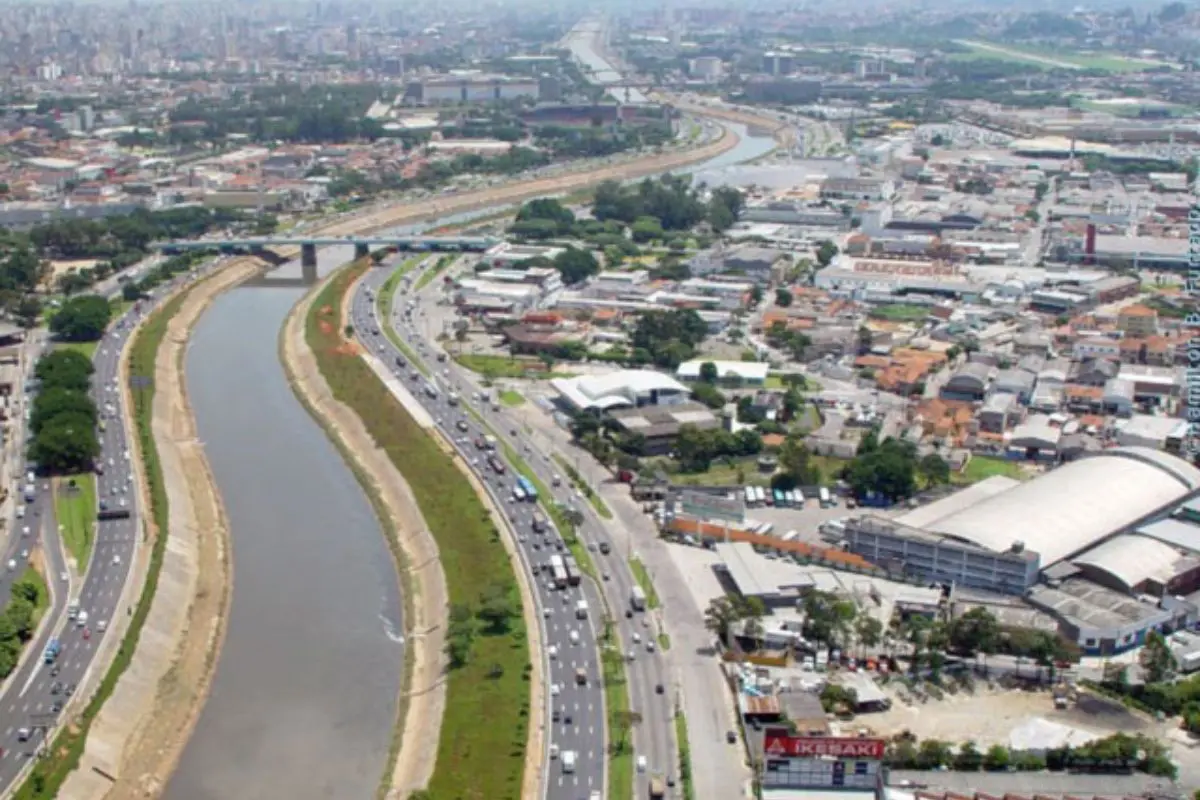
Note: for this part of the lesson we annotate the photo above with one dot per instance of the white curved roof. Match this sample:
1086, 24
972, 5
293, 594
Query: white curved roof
1131, 559
616, 389
1071, 508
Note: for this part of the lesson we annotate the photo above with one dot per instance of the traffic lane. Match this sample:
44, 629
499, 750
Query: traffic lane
567, 697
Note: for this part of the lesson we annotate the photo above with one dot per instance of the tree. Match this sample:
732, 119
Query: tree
869, 631
827, 617
709, 372
996, 759
756, 296
460, 636
1157, 661
719, 618
497, 609
934, 470
933, 754
56, 402
28, 312
65, 445
576, 265
64, 369
887, 470
976, 632
783, 298
624, 721
968, 758
826, 252
82, 319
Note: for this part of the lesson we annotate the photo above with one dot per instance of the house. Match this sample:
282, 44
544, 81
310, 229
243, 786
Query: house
948, 421
1018, 382
1137, 320
1094, 372
1036, 438
1158, 433
1083, 399
1155, 384
757, 263
970, 383
1118, 397
1032, 344
1155, 350
999, 412
1097, 347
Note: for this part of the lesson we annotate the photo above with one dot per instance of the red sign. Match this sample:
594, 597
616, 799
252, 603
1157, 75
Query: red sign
781, 744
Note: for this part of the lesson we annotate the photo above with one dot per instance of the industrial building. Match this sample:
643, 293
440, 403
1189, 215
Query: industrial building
1000, 535
627, 388
475, 87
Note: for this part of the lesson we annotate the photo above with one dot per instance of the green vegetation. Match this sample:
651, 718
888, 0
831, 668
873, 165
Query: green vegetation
685, 756
75, 508
82, 319
664, 641
486, 638
642, 576
900, 312
982, 467
64, 416
511, 398
383, 310
584, 487
35, 587
64, 752
1051, 58
85, 349
493, 367
620, 719
428, 275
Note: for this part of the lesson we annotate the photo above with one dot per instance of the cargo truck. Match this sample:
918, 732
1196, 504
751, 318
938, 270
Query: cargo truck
657, 789
637, 599
581, 609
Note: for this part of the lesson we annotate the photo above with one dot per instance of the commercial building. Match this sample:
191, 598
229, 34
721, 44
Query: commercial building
659, 425
475, 87
999, 534
742, 373
627, 388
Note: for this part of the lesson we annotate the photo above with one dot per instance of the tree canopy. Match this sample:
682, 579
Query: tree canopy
883, 470
63, 417
82, 319
668, 338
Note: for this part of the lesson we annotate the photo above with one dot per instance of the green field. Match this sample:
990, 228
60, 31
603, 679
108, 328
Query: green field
511, 398
86, 348
75, 508
982, 467
493, 367
31, 575
900, 312
473, 760
1050, 59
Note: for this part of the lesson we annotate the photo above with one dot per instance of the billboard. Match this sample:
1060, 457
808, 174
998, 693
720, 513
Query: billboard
821, 762
713, 506
779, 743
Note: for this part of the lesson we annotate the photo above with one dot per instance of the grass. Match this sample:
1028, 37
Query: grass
511, 398
75, 509
428, 275
982, 467
1034, 57
642, 576
664, 641
383, 310
473, 760
33, 576
64, 752
685, 757
616, 702
86, 348
579, 483
492, 367
900, 312
775, 381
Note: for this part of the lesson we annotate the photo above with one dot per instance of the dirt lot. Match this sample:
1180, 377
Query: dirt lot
987, 716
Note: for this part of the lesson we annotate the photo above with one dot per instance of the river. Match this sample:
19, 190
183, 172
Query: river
304, 698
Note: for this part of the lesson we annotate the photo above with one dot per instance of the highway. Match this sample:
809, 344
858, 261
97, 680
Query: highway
33, 697
649, 689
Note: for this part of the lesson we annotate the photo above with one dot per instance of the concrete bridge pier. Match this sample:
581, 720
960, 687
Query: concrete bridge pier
308, 262
361, 250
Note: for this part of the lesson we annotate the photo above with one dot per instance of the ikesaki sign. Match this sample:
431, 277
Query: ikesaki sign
779, 743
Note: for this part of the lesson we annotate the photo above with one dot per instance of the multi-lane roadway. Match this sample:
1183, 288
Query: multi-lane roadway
578, 722
33, 697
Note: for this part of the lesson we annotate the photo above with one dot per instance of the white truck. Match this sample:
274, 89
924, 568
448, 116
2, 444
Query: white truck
581, 609
568, 761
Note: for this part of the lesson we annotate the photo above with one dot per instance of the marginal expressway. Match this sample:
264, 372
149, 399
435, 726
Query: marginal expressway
578, 718
33, 697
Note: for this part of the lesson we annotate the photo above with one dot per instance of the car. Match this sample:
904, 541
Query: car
731, 737
659, 688
553, 651
629, 613
555, 715
547, 612
637, 638
64, 577
566, 718
554, 690
641, 763
649, 647
116, 561
12, 564
25, 531
56, 707
56, 687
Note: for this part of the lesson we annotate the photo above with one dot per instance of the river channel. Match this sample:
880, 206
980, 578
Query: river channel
304, 697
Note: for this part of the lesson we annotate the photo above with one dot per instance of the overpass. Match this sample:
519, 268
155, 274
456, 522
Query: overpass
309, 244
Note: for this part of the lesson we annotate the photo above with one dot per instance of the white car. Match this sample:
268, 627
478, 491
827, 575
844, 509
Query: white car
553, 651
12, 564
641, 763
116, 561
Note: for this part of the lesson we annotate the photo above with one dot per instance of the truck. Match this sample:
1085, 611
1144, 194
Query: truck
657, 790
568, 761
581, 676
53, 648
581, 609
637, 599
30, 492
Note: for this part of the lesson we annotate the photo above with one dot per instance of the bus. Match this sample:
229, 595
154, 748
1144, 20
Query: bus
760, 495
826, 498
748, 493
791, 536
539, 522
799, 499
572, 570
778, 497
527, 487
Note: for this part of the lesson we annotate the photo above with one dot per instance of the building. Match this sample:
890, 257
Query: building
1137, 320
659, 425
836, 188
475, 87
507, 255
999, 534
629, 388
969, 383
739, 373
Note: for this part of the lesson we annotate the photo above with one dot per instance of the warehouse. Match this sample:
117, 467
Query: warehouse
1000, 536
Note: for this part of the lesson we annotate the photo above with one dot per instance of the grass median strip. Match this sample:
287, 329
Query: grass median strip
685, 757
579, 483
486, 638
64, 752
642, 576
75, 509
620, 720
383, 310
